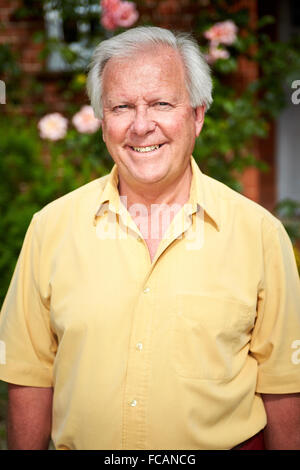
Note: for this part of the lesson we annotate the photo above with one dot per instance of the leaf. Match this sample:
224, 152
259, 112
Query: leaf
265, 21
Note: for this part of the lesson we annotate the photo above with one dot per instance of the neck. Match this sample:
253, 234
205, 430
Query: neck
176, 192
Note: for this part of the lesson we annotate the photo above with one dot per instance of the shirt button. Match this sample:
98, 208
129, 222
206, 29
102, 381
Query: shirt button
147, 289
133, 403
139, 346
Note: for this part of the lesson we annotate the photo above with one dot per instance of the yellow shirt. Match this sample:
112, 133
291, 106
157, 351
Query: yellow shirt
171, 354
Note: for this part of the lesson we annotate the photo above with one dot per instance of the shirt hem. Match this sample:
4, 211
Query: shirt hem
26, 380
278, 384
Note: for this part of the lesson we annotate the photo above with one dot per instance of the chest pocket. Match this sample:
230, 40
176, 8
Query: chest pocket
210, 337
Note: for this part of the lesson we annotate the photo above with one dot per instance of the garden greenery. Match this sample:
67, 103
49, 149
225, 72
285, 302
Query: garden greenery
35, 170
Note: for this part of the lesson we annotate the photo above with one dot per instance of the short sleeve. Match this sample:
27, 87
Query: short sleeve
275, 341
27, 343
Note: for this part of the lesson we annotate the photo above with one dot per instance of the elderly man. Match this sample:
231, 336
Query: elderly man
153, 308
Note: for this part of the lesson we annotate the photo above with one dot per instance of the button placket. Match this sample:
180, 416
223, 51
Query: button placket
138, 370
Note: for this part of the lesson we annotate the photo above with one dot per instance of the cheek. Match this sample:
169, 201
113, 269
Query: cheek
113, 133
181, 125
172, 127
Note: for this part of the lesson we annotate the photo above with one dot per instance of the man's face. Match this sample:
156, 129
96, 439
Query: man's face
148, 125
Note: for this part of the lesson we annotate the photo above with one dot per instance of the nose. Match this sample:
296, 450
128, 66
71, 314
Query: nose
142, 123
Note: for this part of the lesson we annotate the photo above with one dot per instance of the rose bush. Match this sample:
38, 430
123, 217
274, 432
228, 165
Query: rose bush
223, 32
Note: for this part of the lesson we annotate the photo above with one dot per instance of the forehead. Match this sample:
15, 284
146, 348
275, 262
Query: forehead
148, 69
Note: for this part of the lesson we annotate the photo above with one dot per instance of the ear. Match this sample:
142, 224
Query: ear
199, 118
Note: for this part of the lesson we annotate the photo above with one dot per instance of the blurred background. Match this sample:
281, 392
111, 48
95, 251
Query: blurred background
50, 142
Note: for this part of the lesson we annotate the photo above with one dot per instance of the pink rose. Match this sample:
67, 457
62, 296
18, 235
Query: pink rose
222, 33
109, 9
126, 15
53, 126
216, 53
117, 13
108, 22
85, 121
110, 5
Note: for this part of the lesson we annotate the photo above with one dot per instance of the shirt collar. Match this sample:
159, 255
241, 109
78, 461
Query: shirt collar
110, 193
202, 194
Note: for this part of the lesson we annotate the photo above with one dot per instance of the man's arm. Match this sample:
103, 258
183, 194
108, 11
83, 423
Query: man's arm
29, 417
283, 426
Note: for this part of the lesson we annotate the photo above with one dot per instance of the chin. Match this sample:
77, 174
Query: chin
148, 177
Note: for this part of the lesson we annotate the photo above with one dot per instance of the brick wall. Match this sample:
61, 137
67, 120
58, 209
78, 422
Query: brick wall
19, 34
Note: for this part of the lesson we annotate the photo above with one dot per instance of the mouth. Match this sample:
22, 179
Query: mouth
149, 148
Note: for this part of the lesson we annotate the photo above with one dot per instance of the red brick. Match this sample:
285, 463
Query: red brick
31, 67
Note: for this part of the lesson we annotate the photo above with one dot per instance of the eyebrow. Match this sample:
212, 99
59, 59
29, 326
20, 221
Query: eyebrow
111, 102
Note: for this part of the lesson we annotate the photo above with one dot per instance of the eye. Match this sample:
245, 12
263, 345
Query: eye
120, 107
162, 105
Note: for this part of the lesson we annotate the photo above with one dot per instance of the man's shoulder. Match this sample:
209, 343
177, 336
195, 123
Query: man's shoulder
233, 203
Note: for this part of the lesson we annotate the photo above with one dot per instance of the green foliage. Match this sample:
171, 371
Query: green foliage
240, 115
297, 257
9, 71
288, 211
223, 148
34, 173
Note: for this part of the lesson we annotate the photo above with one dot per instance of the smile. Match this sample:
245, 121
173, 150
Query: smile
149, 148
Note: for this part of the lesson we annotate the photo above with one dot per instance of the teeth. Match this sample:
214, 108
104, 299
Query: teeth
146, 149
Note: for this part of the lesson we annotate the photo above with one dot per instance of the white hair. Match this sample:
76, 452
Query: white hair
198, 79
